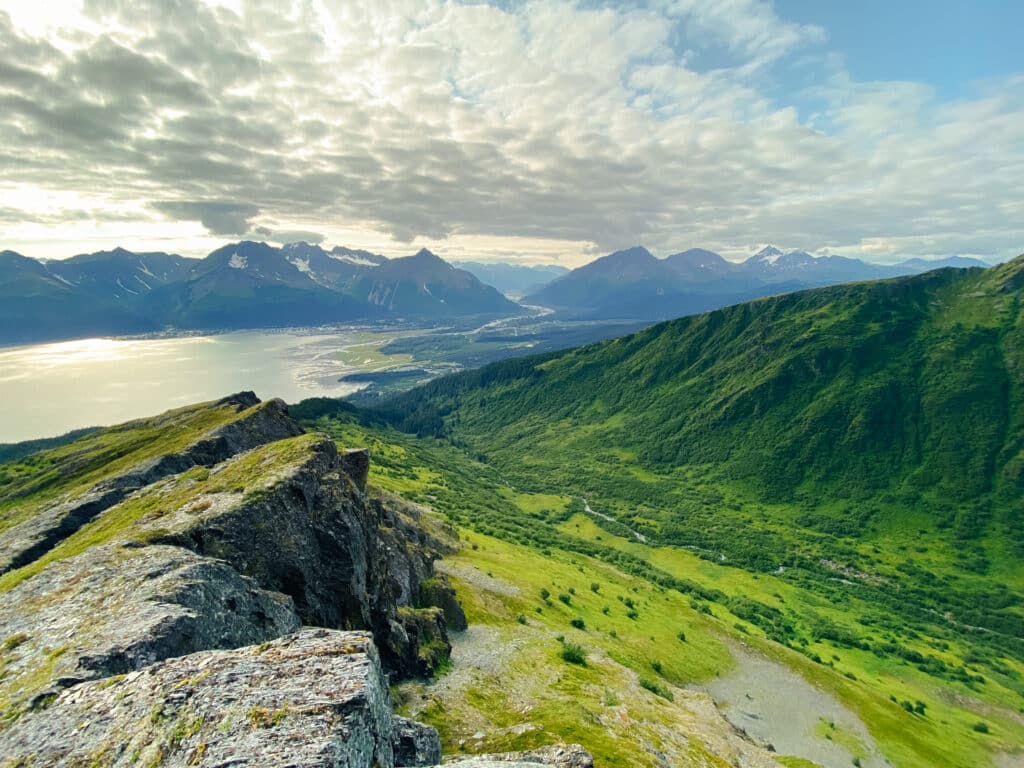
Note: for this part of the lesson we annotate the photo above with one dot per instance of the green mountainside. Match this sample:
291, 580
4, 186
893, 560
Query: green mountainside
858, 406
861, 444
660, 627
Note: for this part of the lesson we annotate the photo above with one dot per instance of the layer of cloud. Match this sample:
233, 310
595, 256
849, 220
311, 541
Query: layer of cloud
429, 120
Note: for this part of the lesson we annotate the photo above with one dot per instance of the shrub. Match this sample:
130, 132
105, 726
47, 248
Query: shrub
544, 594
980, 727
521, 619
578, 623
657, 689
574, 654
565, 598
595, 587
681, 636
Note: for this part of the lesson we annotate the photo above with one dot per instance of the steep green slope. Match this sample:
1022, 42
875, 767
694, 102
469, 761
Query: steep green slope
903, 383
627, 603
863, 438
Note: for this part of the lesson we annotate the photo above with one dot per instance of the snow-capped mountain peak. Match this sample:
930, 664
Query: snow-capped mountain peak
767, 255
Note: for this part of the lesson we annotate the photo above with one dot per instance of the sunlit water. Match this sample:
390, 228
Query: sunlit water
49, 389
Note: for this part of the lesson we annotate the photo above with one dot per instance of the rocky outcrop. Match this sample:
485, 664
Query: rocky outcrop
160, 618
347, 561
113, 610
571, 756
316, 698
258, 424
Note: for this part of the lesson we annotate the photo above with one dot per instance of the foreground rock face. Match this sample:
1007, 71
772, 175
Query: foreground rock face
257, 424
114, 609
162, 625
315, 699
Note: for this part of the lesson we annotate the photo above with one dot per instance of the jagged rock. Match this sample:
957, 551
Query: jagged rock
569, 756
112, 610
251, 531
355, 462
314, 699
345, 560
414, 744
261, 423
438, 592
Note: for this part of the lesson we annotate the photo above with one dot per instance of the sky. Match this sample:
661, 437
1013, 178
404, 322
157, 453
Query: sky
527, 132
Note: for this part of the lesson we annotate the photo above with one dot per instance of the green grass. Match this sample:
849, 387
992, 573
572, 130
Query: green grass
543, 541
148, 512
48, 475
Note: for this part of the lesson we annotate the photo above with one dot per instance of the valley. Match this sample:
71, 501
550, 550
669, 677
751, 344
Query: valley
663, 626
830, 475
814, 493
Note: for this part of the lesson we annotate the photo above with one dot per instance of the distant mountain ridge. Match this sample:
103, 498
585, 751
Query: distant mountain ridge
256, 285
634, 284
514, 280
240, 285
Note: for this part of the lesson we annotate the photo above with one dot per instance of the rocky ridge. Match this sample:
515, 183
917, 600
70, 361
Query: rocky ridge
165, 624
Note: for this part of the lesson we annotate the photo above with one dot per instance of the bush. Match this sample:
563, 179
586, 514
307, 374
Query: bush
657, 689
544, 594
574, 654
565, 598
980, 727
681, 636
578, 623
595, 587
521, 619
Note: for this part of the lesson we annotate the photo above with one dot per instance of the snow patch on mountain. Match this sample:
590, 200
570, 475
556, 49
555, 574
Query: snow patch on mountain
357, 260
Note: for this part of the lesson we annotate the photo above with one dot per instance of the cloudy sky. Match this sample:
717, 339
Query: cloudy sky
533, 131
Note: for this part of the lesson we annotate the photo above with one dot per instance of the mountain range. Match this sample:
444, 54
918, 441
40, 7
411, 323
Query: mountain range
241, 285
255, 285
633, 284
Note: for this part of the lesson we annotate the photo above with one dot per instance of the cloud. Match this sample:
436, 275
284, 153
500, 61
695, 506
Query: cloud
220, 218
298, 236
599, 125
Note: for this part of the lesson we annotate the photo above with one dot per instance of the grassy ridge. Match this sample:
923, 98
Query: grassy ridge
49, 474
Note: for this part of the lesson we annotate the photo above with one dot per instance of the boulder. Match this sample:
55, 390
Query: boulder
317, 699
414, 744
